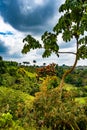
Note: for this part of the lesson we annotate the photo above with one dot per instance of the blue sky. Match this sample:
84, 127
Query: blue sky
21, 17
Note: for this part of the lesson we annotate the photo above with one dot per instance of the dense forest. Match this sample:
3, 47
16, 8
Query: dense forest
29, 97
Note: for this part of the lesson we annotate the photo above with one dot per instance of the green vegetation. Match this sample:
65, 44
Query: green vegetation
29, 103
50, 97
72, 26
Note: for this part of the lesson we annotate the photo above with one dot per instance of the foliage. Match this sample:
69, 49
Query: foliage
59, 71
50, 82
6, 120
53, 82
3, 68
7, 80
69, 79
12, 71
48, 110
72, 25
51, 111
17, 103
46, 70
81, 100
77, 78
19, 78
1, 58
32, 44
50, 44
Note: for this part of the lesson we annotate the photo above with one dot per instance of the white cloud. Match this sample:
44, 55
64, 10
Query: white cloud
4, 26
15, 44
39, 2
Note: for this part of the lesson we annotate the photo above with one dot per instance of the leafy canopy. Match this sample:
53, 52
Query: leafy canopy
72, 24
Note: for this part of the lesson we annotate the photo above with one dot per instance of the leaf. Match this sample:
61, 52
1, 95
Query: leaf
31, 43
67, 35
82, 52
50, 43
72, 24
62, 8
46, 53
83, 40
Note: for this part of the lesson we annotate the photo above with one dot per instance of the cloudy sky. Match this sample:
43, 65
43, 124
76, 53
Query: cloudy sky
21, 17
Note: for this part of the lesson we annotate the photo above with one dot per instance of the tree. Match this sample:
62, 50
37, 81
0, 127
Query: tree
26, 63
72, 25
34, 62
3, 67
1, 58
46, 70
59, 71
44, 64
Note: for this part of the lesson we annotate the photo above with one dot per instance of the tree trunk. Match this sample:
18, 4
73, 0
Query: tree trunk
68, 71
65, 74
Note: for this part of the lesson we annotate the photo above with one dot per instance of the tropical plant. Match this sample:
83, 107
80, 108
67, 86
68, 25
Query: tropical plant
72, 25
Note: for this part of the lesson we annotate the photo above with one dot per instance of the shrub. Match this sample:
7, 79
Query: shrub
17, 103
46, 70
6, 120
58, 114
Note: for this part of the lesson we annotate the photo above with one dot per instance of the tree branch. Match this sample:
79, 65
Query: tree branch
68, 53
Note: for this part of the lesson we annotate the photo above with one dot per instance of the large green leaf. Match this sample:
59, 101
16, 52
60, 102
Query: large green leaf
30, 43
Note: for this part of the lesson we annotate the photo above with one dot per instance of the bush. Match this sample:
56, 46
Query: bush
6, 120
17, 103
58, 114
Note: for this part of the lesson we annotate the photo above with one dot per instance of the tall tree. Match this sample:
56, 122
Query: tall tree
72, 25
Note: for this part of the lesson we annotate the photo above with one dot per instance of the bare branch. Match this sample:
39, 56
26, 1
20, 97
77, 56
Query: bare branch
68, 53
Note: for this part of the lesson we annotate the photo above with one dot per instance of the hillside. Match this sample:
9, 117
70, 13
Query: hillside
29, 94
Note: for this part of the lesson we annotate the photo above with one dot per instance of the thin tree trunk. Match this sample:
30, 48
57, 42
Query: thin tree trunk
68, 71
65, 74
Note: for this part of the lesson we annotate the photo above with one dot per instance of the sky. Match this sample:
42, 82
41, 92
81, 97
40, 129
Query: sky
18, 18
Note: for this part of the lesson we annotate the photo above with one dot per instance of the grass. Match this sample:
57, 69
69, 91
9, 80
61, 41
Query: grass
70, 87
81, 100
